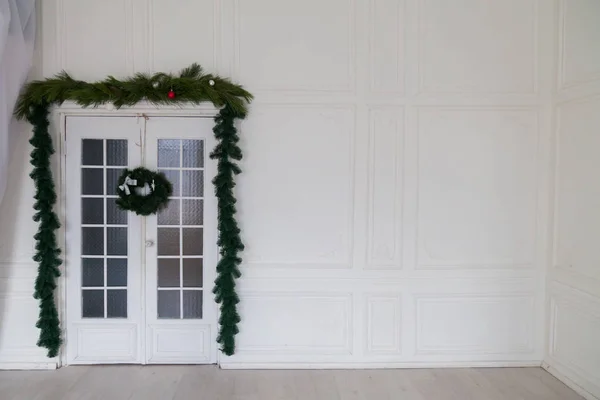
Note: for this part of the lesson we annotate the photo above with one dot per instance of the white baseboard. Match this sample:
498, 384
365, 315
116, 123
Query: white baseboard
27, 366
379, 365
556, 372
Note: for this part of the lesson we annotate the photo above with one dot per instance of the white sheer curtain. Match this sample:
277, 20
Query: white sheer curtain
17, 35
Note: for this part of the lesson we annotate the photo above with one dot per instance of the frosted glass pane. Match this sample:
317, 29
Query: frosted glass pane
112, 180
116, 303
192, 272
192, 242
114, 215
168, 241
116, 272
193, 153
92, 211
92, 152
192, 304
92, 303
116, 240
193, 212
116, 152
168, 272
168, 304
169, 153
92, 181
92, 272
170, 215
192, 183
92, 241
173, 177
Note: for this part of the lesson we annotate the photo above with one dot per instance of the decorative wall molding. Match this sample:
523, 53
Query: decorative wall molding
522, 121
386, 148
575, 327
380, 13
311, 86
383, 324
483, 43
580, 79
323, 315
505, 319
334, 251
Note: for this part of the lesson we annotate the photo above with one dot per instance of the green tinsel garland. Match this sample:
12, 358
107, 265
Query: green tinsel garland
190, 86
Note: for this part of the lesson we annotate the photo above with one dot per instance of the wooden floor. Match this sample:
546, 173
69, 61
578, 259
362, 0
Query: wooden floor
210, 383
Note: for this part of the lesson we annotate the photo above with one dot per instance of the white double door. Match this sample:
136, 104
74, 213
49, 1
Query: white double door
139, 288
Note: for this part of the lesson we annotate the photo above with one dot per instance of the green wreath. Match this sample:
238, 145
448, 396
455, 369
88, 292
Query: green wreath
156, 182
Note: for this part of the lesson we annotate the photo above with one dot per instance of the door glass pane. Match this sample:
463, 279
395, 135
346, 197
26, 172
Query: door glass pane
92, 241
192, 212
101, 272
92, 303
116, 272
92, 272
193, 153
169, 153
192, 183
168, 304
168, 272
168, 241
192, 304
114, 215
92, 181
192, 272
192, 241
112, 179
116, 239
116, 152
92, 211
183, 240
170, 215
116, 303
173, 177
92, 152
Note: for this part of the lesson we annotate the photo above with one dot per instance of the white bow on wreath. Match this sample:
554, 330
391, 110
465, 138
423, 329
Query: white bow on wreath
128, 181
133, 182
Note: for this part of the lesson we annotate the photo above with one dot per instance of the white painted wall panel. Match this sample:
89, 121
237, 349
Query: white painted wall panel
395, 150
573, 298
477, 191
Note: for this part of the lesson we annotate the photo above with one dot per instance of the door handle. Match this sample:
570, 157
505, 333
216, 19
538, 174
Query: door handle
149, 243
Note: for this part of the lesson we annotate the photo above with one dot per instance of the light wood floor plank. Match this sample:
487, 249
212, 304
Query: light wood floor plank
210, 383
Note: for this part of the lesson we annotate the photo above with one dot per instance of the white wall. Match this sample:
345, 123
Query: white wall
395, 199
18, 308
574, 276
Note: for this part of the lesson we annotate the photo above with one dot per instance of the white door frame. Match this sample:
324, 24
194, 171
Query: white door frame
58, 132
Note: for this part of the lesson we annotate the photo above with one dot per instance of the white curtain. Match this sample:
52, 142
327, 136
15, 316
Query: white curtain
17, 35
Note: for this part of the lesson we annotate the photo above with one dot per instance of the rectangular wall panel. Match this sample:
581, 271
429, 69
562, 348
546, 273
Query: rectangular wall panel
383, 324
477, 195
296, 323
193, 20
299, 46
386, 45
464, 46
386, 137
297, 187
474, 324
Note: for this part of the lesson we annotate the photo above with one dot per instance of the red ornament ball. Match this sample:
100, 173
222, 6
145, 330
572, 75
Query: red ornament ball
171, 94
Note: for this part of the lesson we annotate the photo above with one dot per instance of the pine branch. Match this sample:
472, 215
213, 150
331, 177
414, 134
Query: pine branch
229, 239
47, 251
190, 86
